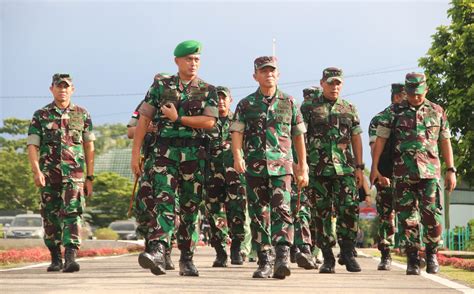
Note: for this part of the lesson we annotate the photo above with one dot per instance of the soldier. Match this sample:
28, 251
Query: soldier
385, 195
62, 133
335, 165
182, 105
226, 200
266, 124
418, 126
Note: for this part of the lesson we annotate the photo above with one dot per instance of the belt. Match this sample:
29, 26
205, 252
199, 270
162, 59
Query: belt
181, 142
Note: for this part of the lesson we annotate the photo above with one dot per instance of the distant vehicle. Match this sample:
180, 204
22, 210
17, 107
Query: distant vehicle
26, 226
86, 231
125, 229
6, 220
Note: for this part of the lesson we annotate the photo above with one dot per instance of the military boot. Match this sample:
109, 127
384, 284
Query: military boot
329, 263
154, 258
70, 264
413, 263
347, 255
432, 265
221, 256
282, 266
169, 265
304, 258
186, 265
56, 259
235, 254
264, 269
293, 250
385, 260
340, 260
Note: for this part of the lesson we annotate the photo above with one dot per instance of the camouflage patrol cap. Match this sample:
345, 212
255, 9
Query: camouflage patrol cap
58, 78
312, 92
332, 73
262, 61
415, 83
398, 88
187, 47
223, 90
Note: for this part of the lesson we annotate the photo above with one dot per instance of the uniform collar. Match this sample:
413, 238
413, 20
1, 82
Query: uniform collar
52, 106
194, 83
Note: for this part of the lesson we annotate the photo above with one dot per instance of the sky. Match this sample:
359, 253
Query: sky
114, 48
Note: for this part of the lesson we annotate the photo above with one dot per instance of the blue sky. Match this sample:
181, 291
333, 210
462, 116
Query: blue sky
114, 48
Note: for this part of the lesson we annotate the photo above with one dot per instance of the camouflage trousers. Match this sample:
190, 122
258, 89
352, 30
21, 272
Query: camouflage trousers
302, 218
169, 196
225, 204
62, 205
269, 200
386, 227
334, 196
419, 200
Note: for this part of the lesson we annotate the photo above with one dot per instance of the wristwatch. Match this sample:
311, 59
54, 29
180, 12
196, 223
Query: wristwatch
360, 166
452, 169
178, 120
90, 178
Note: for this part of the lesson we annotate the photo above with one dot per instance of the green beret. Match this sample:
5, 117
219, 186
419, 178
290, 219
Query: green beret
187, 47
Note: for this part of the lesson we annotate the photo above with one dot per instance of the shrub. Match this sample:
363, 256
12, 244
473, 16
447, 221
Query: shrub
106, 234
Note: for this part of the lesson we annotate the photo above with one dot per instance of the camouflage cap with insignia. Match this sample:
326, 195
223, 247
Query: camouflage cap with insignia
187, 47
223, 90
312, 92
58, 78
398, 88
415, 83
262, 61
332, 73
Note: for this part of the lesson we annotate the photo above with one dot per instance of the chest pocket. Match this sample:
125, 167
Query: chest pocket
52, 135
170, 96
282, 113
345, 125
192, 107
432, 128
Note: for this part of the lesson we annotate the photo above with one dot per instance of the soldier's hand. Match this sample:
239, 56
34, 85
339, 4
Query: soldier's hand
40, 180
169, 112
450, 181
88, 188
302, 179
135, 165
151, 128
374, 176
239, 165
359, 175
368, 200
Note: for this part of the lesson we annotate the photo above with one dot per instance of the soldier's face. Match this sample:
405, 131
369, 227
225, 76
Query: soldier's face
62, 92
223, 103
416, 99
331, 90
398, 98
188, 65
267, 77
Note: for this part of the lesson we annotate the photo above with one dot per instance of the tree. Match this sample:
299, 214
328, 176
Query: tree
15, 130
110, 199
111, 137
449, 67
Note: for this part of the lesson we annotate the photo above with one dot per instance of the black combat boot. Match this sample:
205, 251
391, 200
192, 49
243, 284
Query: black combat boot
186, 265
169, 265
413, 262
385, 260
154, 258
221, 256
340, 260
293, 250
281, 269
347, 255
56, 259
329, 263
235, 254
432, 265
304, 258
264, 269
70, 264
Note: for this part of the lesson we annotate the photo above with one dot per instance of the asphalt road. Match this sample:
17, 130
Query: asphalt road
123, 275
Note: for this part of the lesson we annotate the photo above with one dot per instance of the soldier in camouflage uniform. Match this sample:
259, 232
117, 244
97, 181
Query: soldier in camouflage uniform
267, 123
62, 133
385, 195
226, 200
335, 168
418, 126
182, 105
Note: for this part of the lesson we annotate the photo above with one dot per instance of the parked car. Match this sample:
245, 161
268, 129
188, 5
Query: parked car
125, 229
26, 226
6, 220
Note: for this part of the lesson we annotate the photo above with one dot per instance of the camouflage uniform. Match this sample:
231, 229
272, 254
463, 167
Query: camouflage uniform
384, 201
226, 199
268, 125
60, 135
418, 131
176, 163
332, 187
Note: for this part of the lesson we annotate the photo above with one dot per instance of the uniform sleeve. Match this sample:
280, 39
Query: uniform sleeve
35, 131
445, 131
135, 116
384, 126
297, 123
87, 134
150, 103
356, 129
238, 123
373, 129
210, 107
